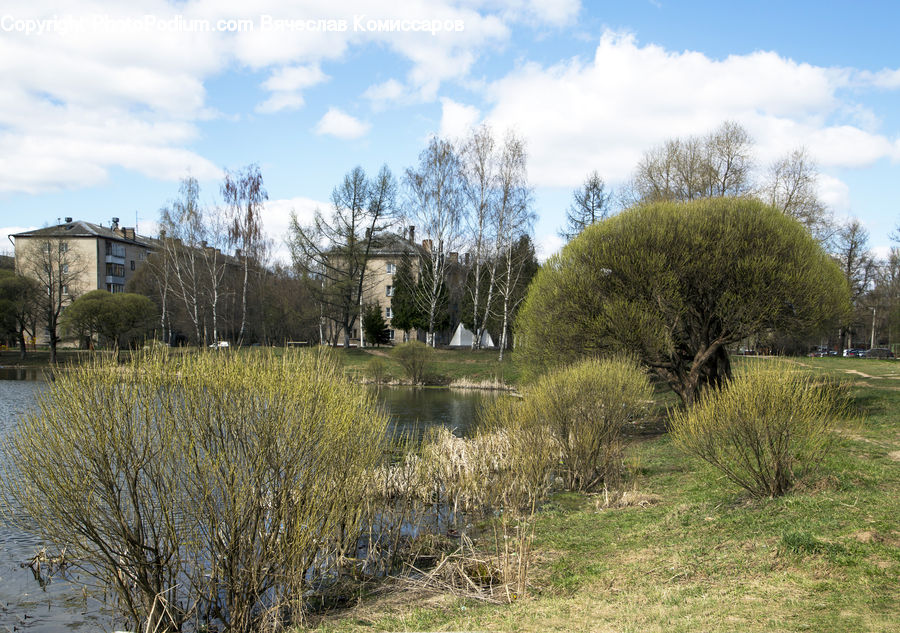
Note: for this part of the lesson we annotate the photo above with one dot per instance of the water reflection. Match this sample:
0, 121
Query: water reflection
413, 410
22, 373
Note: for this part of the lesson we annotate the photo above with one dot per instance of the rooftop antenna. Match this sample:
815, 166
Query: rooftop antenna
136, 231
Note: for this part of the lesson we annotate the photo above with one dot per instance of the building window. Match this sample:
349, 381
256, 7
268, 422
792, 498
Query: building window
389, 291
64, 247
65, 290
390, 268
387, 312
65, 269
391, 334
132, 264
115, 270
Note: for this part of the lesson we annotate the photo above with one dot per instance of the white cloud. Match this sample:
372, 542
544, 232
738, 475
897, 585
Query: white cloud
604, 113
547, 245
6, 246
881, 253
385, 92
124, 88
457, 119
341, 125
834, 192
287, 85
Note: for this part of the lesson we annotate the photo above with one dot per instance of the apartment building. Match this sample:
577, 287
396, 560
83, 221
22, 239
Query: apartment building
100, 257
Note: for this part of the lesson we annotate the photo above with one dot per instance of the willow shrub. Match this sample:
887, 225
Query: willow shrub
765, 430
413, 357
200, 490
584, 408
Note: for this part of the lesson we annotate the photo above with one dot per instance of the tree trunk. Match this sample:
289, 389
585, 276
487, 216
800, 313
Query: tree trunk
244, 301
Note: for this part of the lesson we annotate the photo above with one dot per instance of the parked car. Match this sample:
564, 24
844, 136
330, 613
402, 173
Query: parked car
854, 353
220, 345
879, 352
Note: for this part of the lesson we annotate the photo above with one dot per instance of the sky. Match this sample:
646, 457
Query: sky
105, 106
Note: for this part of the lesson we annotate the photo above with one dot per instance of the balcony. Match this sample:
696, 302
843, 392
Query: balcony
115, 259
112, 279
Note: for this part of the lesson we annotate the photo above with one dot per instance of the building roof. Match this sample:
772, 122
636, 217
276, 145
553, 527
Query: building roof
80, 228
392, 244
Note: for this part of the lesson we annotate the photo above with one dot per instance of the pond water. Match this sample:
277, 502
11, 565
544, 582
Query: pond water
57, 606
413, 410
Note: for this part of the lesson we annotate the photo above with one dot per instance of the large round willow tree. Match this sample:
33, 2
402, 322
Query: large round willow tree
675, 284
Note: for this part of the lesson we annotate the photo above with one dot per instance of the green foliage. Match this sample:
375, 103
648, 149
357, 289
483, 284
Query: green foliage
584, 409
374, 326
766, 430
414, 357
675, 284
202, 488
117, 318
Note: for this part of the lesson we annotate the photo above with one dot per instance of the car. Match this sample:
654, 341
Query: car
220, 345
879, 352
854, 352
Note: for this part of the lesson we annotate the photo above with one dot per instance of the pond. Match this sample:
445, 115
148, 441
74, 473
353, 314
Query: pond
26, 605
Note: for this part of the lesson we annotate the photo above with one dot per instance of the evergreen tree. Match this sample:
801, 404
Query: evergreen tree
590, 203
374, 325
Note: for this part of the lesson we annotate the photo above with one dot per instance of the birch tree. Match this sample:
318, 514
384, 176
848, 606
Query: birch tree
245, 195
479, 171
434, 202
181, 239
513, 219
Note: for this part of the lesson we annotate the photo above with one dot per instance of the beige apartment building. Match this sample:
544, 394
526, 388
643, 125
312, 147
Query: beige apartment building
378, 284
92, 256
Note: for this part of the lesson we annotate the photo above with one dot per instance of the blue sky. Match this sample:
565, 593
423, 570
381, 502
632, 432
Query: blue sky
104, 110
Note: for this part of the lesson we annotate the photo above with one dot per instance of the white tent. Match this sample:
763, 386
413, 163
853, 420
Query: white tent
463, 338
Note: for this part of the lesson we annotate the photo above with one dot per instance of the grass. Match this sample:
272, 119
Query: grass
446, 366
41, 357
706, 557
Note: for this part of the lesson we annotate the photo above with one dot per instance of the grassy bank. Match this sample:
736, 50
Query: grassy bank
446, 366
694, 554
40, 358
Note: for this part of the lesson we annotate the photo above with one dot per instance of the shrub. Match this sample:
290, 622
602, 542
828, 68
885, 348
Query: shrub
584, 408
765, 430
378, 370
217, 490
413, 356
